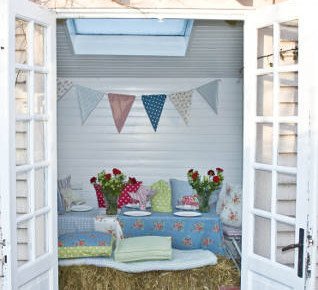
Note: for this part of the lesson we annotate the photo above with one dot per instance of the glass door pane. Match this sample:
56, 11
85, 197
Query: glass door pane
265, 47
30, 141
276, 149
289, 43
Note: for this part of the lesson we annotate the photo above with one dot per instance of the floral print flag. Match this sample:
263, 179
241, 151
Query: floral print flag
153, 105
182, 102
62, 87
121, 105
88, 100
210, 92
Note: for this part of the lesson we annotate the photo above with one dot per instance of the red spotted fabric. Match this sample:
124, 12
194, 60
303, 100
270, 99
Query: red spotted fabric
124, 197
99, 195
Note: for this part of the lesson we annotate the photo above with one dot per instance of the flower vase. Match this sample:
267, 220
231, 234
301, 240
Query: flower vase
111, 203
204, 200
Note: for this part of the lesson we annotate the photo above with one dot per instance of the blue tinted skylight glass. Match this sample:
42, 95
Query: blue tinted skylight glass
166, 27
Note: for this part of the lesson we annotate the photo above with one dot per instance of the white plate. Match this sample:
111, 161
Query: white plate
81, 207
136, 205
137, 213
187, 207
187, 213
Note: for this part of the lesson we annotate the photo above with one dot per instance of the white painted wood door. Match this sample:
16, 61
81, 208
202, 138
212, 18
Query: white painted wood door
276, 149
28, 145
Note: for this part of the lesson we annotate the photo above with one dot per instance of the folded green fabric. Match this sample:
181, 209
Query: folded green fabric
83, 252
143, 249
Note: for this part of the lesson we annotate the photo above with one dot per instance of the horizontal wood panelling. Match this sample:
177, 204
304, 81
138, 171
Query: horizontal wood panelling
209, 140
215, 50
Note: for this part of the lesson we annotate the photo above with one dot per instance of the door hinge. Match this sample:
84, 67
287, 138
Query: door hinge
308, 266
310, 241
5, 259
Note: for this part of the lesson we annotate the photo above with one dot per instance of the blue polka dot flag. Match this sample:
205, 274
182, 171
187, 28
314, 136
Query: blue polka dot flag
153, 105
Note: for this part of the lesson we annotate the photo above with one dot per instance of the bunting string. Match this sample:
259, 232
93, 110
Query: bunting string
121, 104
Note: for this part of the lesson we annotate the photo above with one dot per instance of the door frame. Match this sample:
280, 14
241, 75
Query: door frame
310, 84
242, 15
7, 145
307, 89
201, 13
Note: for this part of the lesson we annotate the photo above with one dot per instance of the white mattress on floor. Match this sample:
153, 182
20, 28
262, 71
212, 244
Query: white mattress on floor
181, 260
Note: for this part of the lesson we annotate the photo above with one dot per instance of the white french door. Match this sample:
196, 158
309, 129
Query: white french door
276, 219
28, 145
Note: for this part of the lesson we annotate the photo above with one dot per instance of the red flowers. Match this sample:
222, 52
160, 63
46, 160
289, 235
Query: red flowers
216, 179
116, 171
211, 172
132, 180
108, 176
93, 179
195, 175
205, 183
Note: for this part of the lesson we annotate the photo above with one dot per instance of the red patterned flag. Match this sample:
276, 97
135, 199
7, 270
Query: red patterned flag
121, 105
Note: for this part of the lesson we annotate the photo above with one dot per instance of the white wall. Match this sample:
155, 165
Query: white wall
210, 140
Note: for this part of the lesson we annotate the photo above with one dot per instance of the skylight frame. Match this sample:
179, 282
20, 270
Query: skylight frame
138, 24
129, 45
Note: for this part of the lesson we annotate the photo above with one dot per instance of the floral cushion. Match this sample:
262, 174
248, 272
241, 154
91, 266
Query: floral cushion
229, 206
142, 195
161, 200
99, 194
124, 197
84, 244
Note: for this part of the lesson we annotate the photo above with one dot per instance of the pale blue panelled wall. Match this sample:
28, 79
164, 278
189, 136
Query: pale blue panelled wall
209, 140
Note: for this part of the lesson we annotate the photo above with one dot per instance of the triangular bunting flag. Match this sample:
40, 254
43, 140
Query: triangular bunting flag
182, 102
121, 105
210, 92
153, 105
62, 87
88, 100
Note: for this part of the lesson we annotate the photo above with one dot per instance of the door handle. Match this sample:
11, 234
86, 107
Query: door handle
300, 246
290, 247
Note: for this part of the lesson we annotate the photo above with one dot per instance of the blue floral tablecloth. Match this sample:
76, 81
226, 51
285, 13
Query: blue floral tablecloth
203, 232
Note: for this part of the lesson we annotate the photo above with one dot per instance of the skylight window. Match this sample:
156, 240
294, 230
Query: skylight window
168, 37
169, 27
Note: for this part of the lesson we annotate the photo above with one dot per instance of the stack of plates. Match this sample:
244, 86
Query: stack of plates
187, 207
137, 213
187, 213
81, 207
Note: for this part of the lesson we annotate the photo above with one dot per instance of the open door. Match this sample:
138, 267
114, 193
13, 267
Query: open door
28, 145
277, 218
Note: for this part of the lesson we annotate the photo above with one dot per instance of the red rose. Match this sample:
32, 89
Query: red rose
211, 172
132, 180
108, 176
116, 171
195, 175
93, 179
190, 171
219, 169
216, 179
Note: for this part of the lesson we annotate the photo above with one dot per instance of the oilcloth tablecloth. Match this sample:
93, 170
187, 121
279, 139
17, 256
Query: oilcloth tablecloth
188, 233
